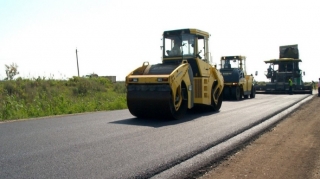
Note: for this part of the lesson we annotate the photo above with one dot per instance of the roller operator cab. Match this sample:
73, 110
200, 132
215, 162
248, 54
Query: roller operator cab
237, 83
279, 71
183, 80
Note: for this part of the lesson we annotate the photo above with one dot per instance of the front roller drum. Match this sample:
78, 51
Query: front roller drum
154, 104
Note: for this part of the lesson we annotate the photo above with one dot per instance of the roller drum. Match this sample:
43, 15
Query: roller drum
151, 101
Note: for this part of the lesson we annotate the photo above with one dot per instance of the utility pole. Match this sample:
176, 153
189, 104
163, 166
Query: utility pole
77, 62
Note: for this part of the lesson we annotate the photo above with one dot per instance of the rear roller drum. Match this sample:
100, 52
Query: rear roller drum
226, 92
236, 93
253, 92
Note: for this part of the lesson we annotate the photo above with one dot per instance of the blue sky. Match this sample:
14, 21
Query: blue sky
113, 37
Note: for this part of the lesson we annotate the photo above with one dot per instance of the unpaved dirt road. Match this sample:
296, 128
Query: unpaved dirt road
290, 150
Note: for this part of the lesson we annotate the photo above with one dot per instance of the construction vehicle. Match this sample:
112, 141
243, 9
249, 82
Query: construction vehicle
281, 70
183, 80
237, 83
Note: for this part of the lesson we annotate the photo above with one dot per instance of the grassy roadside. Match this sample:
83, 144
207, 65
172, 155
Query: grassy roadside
38, 97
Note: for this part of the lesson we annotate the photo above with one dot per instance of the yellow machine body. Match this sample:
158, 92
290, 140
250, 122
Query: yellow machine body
185, 78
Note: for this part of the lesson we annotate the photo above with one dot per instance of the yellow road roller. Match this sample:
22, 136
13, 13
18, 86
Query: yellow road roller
237, 82
183, 80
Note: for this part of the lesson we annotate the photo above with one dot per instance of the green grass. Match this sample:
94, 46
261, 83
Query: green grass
38, 97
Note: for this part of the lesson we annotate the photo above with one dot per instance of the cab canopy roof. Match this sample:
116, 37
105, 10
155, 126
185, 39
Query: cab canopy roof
233, 57
186, 31
289, 51
281, 60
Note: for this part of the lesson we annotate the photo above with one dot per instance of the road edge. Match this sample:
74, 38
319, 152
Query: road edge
201, 160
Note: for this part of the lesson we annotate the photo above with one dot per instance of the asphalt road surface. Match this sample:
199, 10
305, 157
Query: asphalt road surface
114, 144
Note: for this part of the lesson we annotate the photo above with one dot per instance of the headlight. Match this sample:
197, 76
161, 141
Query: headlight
133, 80
162, 79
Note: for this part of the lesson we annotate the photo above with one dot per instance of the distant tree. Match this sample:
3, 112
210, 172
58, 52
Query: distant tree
11, 71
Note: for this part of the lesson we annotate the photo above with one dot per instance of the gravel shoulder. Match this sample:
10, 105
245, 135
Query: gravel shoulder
291, 149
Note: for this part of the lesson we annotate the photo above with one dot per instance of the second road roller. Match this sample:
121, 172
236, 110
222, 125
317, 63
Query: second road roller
237, 82
183, 80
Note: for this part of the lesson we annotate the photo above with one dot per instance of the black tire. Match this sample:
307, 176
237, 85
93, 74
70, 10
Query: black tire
245, 96
236, 93
253, 92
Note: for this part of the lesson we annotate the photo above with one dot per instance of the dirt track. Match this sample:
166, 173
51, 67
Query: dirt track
289, 150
